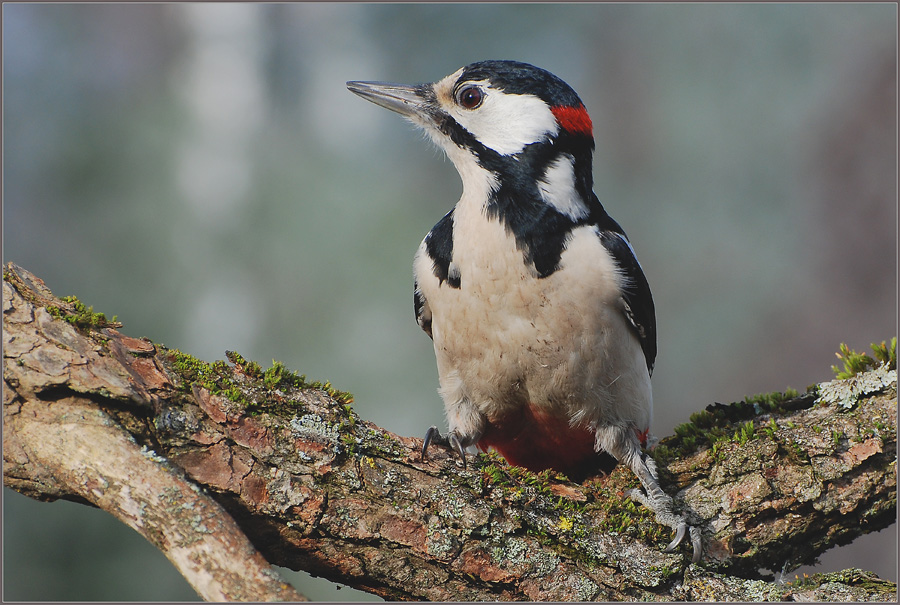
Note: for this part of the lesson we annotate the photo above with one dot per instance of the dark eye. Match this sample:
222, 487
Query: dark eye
470, 97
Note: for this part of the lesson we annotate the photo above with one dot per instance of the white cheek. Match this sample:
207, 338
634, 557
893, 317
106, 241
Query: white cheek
557, 187
507, 123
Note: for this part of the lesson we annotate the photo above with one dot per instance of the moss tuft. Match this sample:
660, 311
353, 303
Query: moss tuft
856, 363
738, 422
246, 383
81, 316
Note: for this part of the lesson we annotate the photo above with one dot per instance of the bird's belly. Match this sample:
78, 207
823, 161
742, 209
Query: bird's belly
506, 339
524, 344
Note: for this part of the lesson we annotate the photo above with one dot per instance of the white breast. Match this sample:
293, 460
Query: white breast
506, 338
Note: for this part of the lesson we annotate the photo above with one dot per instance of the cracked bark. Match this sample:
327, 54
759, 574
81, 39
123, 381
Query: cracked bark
225, 474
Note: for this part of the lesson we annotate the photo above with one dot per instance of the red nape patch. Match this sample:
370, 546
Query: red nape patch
538, 441
574, 119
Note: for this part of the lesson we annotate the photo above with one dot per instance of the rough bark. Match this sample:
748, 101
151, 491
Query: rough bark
217, 463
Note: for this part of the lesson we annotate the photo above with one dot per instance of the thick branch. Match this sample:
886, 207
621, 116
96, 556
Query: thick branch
314, 487
62, 444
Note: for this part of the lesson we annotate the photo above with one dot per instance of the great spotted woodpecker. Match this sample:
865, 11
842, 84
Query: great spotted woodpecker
543, 323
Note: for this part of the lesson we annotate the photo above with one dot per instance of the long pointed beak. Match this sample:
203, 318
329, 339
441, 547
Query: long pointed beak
404, 99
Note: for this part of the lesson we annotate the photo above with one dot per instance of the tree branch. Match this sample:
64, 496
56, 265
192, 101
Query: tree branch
168, 444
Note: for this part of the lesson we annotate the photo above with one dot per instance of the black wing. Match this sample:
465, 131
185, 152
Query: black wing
439, 248
423, 312
636, 297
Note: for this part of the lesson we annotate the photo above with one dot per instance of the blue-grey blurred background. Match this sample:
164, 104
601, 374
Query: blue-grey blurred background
200, 171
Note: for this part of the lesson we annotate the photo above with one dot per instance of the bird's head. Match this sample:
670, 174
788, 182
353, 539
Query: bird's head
505, 116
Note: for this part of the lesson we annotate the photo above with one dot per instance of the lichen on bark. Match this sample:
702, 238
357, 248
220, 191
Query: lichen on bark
312, 486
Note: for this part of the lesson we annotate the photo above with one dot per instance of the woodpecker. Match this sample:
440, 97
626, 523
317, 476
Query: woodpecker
542, 321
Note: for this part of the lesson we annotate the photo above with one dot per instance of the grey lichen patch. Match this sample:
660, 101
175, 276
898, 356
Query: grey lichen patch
719, 587
847, 392
349, 518
313, 426
199, 526
522, 557
439, 542
849, 585
385, 479
285, 490
640, 563
350, 477
393, 480
585, 589
541, 520
459, 511
598, 548
646, 566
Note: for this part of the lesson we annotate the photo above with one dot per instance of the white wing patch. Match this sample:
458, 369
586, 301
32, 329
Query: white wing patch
633, 253
557, 187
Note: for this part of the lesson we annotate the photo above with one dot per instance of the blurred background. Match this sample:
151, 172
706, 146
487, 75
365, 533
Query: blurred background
201, 171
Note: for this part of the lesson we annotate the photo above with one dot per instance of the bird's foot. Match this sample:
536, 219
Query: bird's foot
661, 505
451, 440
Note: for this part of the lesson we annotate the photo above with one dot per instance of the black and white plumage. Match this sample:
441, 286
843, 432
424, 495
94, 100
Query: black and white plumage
543, 323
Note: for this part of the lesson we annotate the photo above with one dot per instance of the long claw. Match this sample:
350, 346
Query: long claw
457, 446
430, 434
696, 542
680, 531
451, 440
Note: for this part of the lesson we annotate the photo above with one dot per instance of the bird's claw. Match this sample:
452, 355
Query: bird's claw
680, 531
696, 540
696, 543
664, 515
451, 440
